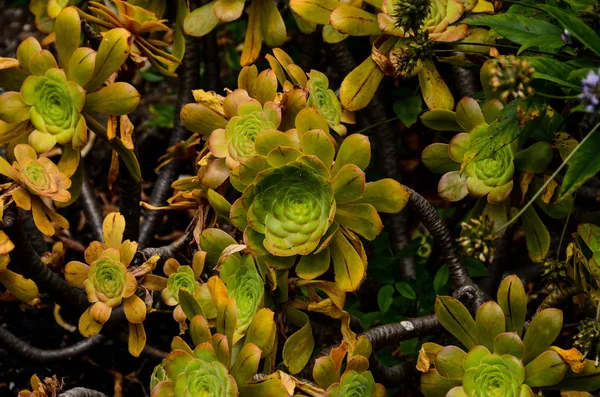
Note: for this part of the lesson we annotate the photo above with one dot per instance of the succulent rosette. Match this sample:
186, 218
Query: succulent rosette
248, 117
48, 98
141, 23
498, 362
293, 206
246, 287
210, 369
354, 384
437, 19
181, 279
36, 178
298, 201
466, 174
107, 282
55, 106
324, 100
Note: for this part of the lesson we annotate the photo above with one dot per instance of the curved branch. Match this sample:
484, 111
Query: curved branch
12, 343
165, 252
391, 376
557, 298
442, 236
188, 80
33, 233
91, 208
404, 330
31, 266
82, 392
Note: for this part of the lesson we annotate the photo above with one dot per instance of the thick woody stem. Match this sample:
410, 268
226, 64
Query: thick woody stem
393, 333
15, 345
31, 266
91, 208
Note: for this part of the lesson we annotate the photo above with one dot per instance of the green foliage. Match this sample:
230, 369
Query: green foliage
498, 361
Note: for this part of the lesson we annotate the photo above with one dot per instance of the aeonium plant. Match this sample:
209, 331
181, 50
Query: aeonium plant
302, 197
500, 360
400, 27
491, 176
108, 283
218, 366
356, 380
49, 99
142, 24
37, 183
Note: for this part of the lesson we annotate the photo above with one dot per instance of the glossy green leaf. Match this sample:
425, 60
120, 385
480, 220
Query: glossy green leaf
509, 343
490, 323
436, 158
520, 29
536, 235
513, 301
576, 26
408, 110
385, 298
547, 369
116, 99
201, 21
299, 346
449, 362
354, 21
406, 290
440, 120
457, 320
543, 330
315, 11
68, 31
359, 87
112, 53
584, 164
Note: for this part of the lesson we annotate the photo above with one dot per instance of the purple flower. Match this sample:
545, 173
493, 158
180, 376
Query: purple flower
567, 38
591, 91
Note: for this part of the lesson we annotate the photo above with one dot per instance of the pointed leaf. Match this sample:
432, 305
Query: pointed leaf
457, 320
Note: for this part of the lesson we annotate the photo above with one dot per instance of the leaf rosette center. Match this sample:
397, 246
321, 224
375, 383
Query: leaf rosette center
292, 206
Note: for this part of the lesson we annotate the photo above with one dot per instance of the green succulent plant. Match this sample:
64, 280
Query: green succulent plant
395, 24
246, 287
49, 103
354, 384
215, 367
325, 101
355, 381
141, 23
35, 179
498, 362
235, 142
298, 201
491, 176
108, 283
